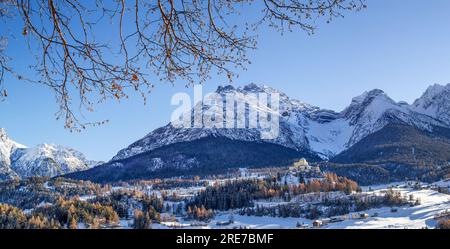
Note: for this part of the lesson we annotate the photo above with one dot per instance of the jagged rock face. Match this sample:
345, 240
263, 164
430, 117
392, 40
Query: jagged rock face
7, 148
18, 161
6, 173
435, 103
303, 126
373, 110
289, 136
294, 116
47, 160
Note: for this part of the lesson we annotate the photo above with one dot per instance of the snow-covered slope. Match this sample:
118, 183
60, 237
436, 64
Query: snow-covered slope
435, 103
7, 148
372, 110
291, 133
47, 160
18, 161
303, 126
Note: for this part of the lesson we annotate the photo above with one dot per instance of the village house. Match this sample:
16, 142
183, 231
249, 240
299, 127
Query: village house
317, 223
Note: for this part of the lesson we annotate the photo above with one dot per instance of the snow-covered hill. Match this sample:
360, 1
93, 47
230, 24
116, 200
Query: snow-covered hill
304, 126
17, 161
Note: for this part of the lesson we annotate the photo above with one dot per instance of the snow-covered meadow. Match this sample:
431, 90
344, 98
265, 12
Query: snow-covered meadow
406, 217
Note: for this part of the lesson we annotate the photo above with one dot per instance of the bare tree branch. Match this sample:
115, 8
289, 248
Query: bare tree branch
174, 39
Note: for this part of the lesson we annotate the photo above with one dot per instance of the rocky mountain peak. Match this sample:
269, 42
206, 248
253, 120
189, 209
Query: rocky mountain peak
2, 132
17, 160
435, 102
371, 103
302, 125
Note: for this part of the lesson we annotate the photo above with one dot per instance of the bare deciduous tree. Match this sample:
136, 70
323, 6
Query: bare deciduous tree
171, 39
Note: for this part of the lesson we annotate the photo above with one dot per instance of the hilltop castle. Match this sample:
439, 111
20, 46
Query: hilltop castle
302, 166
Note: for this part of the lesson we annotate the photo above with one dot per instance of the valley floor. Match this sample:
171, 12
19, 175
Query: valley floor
174, 204
409, 217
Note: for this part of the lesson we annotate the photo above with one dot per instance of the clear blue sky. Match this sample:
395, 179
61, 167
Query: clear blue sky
398, 46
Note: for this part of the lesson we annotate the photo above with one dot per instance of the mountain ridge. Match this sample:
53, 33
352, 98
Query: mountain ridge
19, 161
326, 132
304, 128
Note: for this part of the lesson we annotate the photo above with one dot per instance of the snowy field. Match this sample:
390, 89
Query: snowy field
420, 216
415, 217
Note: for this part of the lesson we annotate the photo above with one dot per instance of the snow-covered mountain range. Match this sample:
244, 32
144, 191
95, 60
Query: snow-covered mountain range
19, 161
304, 126
304, 131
